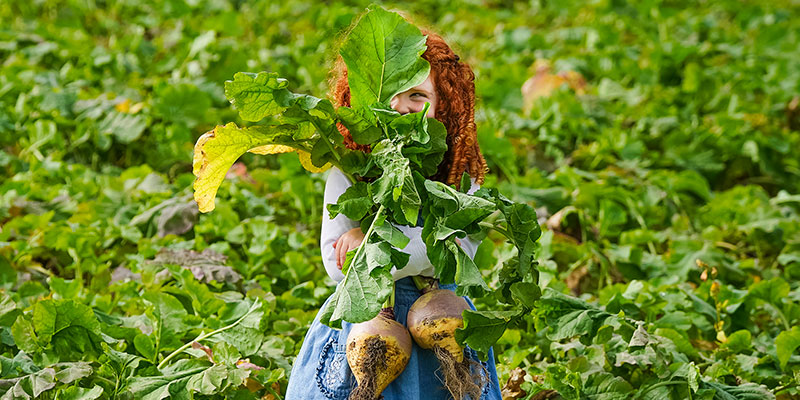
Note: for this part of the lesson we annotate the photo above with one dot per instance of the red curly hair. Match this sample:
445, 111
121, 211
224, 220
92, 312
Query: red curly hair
455, 89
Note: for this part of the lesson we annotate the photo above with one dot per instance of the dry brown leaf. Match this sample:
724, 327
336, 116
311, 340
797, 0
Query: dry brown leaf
544, 82
575, 278
513, 390
206, 266
554, 222
254, 386
704, 345
246, 364
210, 353
572, 232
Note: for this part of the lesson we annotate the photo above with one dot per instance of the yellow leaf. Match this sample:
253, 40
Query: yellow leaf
198, 158
214, 154
272, 149
124, 106
136, 108
305, 160
756, 120
217, 150
202, 195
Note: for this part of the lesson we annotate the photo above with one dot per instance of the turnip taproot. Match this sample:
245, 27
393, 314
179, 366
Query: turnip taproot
377, 352
432, 321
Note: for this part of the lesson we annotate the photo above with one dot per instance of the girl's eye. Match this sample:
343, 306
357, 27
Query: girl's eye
418, 94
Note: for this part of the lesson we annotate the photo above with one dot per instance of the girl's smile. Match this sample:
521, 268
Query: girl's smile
414, 99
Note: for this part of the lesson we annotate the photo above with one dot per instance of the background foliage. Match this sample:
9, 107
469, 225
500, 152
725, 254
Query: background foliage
669, 190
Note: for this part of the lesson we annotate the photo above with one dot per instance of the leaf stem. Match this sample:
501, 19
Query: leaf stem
204, 336
325, 138
424, 284
363, 244
785, 387
272, 392
786, 325
497, 228
419, 282
333, 151
389, 303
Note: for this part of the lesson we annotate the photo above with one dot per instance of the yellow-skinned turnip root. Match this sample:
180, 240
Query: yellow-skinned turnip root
434, 318
377, 352
432, 321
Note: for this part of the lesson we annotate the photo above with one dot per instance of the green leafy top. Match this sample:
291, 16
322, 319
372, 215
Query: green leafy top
391, 183
382, 53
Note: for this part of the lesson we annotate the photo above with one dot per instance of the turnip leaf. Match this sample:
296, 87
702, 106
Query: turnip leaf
482, 329
786, 343
354, 203
382, 56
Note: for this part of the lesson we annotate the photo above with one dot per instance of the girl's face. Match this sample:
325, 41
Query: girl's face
414, 99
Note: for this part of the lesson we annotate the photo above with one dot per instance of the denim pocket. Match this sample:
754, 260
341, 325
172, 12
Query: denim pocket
334, 377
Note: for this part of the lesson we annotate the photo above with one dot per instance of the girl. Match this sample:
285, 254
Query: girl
320, 370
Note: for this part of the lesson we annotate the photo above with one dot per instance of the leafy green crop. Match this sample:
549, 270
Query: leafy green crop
666, 188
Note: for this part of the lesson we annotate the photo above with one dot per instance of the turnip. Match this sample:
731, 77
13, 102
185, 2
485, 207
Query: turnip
432, 321
377, 352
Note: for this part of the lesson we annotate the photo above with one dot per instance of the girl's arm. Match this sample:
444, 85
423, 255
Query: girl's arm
333, 229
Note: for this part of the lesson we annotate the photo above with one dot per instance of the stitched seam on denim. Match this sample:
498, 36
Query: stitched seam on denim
488, 378
330, 378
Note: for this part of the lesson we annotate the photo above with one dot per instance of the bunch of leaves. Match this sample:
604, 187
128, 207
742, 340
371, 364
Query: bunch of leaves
390, 185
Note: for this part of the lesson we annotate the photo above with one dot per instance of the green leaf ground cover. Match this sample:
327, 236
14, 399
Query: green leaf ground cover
670, 188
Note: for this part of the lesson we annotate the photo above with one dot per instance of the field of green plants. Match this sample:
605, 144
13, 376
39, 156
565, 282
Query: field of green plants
665, 175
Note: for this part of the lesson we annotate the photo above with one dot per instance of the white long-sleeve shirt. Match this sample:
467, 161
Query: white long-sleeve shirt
332, 229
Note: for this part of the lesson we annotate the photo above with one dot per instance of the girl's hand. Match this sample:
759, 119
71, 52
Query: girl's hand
348, 241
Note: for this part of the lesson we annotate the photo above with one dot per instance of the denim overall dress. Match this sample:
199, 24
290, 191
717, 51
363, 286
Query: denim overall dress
321, 372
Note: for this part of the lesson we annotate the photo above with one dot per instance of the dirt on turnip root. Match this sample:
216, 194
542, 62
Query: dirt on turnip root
461, 378
373, 361
377, 352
